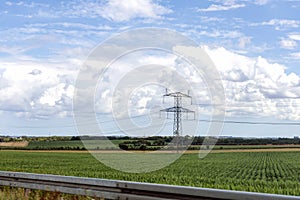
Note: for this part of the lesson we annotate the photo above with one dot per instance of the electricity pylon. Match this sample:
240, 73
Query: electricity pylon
177, 109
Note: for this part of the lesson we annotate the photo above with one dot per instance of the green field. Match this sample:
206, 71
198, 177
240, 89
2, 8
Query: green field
72, 144
225, 147
101, 145
270, 172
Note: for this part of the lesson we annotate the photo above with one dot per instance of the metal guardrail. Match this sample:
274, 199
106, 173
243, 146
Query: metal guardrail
115, 189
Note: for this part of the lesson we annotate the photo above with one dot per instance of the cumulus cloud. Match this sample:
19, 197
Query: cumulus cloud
279, 24
125, 10
35, 72
253, 85
35, 90
257, 86
223, 6
118, 11
234, 67
56, 94
288, 43
123, 75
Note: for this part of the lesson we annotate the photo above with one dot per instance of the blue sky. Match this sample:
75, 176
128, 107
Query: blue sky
254, 45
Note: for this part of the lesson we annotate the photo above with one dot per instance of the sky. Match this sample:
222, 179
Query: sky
254, 44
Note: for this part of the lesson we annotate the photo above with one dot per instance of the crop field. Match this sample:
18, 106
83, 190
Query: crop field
101, 145
225, 147
269, 172
72, 144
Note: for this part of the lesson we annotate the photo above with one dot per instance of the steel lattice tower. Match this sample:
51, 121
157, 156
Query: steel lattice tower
177, 109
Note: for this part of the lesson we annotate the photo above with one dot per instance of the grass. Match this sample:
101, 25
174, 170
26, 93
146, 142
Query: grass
269, 172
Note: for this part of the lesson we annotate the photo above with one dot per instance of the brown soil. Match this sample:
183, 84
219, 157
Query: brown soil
14, 144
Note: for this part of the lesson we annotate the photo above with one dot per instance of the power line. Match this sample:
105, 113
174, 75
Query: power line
251, 123
226, 106
84, 123
135, 129
143, 115
200, 120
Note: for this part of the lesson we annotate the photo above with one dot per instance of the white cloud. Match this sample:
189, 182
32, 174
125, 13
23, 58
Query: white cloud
244, 41
9, 3
256, 86
13, 49
223, 5
207, 19
279, 24
36, 90
116, 10
261, 2
252, 85
221, 34
234, 67
26, 4
54, 95
295, 37
287, 43
121, 70
296, 55
35, 72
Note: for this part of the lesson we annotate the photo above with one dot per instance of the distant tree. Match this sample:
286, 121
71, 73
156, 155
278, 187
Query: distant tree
75, 138
159, 142
143, 147
123, 146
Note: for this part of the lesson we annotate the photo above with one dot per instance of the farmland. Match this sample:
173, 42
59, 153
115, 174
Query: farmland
270, 172
133, 144
72, 144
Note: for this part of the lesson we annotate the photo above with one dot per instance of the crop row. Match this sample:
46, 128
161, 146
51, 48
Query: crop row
270, 172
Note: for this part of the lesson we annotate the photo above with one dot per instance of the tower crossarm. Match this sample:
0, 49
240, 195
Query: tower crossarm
177, 109
177, 94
